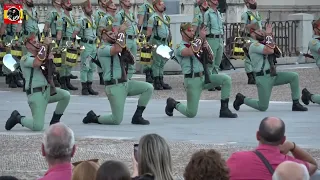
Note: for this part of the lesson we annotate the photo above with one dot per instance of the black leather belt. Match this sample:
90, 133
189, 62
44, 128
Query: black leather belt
114, 81
36, 89
198, 74
131, 36
88, 41
159, 38
214, 36
145, 28
262, 73
66, 38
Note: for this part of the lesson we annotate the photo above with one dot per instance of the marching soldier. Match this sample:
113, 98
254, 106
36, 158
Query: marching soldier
249, 19
146, 10
86, 29
194, 76
65, 28
158, 33
126, 18
265, 74
118, 87
37, 88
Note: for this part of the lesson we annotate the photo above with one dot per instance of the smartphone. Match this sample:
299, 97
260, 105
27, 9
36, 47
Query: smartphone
135, 150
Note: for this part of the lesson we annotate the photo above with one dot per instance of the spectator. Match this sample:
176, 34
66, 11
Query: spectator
8, 178
205, 165
290, 170
85, 170
274, 147
113, 170
154, 158
58, 148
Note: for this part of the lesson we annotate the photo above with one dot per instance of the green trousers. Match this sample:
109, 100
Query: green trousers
217, 47
265, 84
38, 104
158, 61
315, 98
87, 66
132, 46
247, 65
194, 87
117, 95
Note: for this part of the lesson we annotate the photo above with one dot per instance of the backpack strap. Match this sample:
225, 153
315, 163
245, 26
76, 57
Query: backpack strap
265, 161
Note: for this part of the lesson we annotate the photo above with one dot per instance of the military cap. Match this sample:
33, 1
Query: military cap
154, 2
29, 37
185, 26
255, 27
108, 3
86, 3
106, 29
316, 24
66, 1
79, 162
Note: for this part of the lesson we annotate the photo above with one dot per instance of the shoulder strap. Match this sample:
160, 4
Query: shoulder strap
265, 161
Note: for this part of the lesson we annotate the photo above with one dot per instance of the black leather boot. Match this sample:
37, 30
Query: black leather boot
306, 96
164, 85
69, 85
91, 117
148, 73
55, 118
13, 120
101, 78
171, 105
1, 73
73, 76
7, 78
90, 90
225, 111
56, 79
11, 79
137, 117
17, 80
218, 88
238, 101
296, 106
251, 79
156, 83
84, 90
63, 83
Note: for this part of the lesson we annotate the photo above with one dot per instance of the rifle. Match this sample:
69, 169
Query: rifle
95, 60
49, 69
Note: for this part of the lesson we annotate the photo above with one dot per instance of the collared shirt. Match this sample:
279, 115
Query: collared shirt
146, 10
246, 165
213, 20
59, 172
258, 59
121, 17
314, 46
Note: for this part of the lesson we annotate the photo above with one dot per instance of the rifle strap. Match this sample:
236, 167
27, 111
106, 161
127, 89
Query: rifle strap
191, 65
111, 68
30, 80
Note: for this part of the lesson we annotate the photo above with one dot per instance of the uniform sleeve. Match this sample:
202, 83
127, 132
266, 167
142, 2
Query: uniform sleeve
206, 18
102, 22
60, 24
105, 52
196, 20
151, 22
314, 45
117, 19
78, 26
244, 18
28, 62
179, 50
256, 48
49, 17
142, 10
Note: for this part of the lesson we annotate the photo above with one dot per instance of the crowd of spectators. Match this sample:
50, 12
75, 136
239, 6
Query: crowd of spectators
152, 161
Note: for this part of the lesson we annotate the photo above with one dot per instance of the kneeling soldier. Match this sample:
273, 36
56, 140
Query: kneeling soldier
118, 87
196, 75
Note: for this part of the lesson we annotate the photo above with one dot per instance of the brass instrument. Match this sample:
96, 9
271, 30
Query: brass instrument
48, 69
125, 56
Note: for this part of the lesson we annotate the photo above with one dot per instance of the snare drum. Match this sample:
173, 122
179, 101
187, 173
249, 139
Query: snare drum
146, 55
57, 60
238, 52
71, 57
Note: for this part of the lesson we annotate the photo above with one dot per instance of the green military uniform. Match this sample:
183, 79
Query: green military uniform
86, 26
29, 23
197, 20
146, 10
131, 39
38, 93
66, 25
118, 87
265, 82
194, 83
314, 46
160, 35
250, 17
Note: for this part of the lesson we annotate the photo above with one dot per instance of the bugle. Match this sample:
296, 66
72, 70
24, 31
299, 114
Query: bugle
48, 69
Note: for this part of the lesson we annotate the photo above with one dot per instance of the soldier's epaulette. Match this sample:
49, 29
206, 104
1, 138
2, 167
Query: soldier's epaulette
314, 42
177, 46
102, 46
23, 58
257, 44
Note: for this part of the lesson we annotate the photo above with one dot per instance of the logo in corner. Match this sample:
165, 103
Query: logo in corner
13, 13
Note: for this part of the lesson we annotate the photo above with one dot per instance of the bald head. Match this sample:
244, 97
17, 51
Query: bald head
289, 170
271, 130
58, 142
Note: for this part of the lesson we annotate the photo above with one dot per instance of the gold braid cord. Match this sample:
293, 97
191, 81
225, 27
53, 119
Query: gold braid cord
196, 45
121, 39
42, 54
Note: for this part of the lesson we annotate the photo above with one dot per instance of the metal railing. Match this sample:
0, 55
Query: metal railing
285, 33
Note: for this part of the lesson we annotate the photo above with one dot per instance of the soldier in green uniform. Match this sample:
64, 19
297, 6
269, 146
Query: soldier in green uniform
158, 33
249, 19
86, 29
65, 26
194, 79
37, 88
145, 11
265, 78
117, 85
124, 16
197, 22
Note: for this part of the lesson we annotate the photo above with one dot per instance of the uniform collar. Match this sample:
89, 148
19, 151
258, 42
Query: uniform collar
211, 10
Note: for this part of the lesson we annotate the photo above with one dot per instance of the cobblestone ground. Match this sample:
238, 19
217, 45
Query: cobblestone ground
308, 78
21, 155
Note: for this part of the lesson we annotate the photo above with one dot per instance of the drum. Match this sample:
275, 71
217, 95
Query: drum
71, 57
57, 60
237, 52
146, 55
2, 54
16, 52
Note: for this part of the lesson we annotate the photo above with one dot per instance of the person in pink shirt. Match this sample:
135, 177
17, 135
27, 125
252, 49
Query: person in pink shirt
271, 151
58, 148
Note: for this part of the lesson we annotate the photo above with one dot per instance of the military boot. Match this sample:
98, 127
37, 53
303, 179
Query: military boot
171, 105
137, 117
225, 111
306, 96
148, 73
251, 78
218, 88
90, 90
55, 118
296, 106
91, 117
1, 73
84, 90
164, 85
17, 80
63, 83
101, 78
156, 83
11, 81
13, 120
7, 78
56, 79
69, 85
238, 101
73, 76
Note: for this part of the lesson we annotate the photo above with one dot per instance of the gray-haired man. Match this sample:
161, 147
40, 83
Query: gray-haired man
58, 147
289, 170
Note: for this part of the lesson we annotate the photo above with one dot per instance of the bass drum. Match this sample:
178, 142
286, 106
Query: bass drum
146, 55
71, 57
